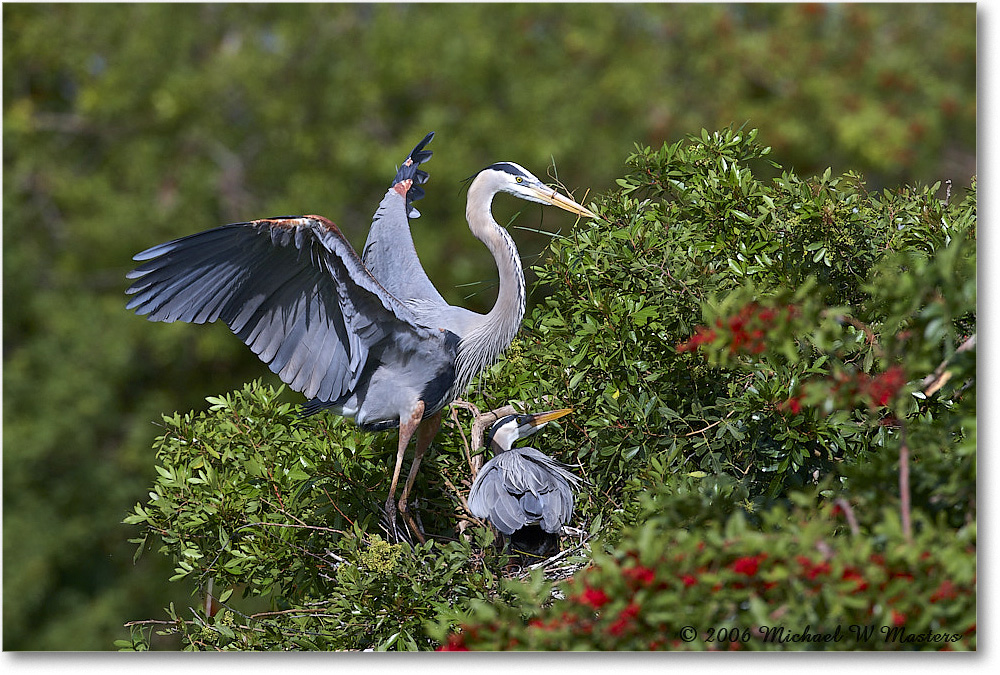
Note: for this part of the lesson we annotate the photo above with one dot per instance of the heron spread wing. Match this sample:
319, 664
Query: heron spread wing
291, 288
389, 253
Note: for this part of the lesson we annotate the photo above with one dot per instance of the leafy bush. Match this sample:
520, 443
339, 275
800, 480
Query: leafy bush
741, 355
835, 351
250, 496
693, 237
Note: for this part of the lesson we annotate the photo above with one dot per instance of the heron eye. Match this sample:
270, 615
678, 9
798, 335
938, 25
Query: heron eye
519, 179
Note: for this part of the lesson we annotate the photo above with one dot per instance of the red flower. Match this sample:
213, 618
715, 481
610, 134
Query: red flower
689, 579
884, 387
898, 618
594, 597
851, 574
624, 619
946, 591
702, 336
748, 565
456, 643
618, 627
811, 569
639, 574
794, 404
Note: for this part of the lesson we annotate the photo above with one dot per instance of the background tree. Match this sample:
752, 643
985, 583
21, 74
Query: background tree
128, 125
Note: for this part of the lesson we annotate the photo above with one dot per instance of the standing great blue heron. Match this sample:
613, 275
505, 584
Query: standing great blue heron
368, 338
523, 492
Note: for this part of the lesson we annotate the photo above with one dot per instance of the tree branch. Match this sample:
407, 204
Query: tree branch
941, 374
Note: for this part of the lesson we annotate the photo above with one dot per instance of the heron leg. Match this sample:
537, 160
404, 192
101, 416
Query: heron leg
406, 429
425, 434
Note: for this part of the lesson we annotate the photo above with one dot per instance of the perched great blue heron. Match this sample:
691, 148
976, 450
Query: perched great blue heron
368, 338
524, 493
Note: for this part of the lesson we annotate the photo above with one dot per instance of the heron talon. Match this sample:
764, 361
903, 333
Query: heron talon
391, 522
409, 521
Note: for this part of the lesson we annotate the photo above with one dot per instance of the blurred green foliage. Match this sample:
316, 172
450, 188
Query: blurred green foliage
127, 125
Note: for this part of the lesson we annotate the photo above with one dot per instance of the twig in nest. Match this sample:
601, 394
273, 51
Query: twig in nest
467, 518
561, 554
474, 449
483, 422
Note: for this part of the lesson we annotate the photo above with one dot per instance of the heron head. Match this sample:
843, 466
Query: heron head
507, 430
518, 181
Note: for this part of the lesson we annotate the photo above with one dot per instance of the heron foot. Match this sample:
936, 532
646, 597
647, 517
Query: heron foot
394, 532
405, 512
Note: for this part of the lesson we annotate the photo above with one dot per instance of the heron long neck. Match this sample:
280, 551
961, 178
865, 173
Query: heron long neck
486, 340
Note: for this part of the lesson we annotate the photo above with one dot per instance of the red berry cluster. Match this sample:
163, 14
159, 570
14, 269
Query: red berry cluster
849, 390
748, 565
702, 336
746, 332
593, 597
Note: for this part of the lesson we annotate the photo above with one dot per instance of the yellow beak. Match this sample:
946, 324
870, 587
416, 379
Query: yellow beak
550, 196
539, 419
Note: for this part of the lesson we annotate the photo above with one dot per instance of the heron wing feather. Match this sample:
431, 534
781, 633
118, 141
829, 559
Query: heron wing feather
523, 486
546, 484
291, 288
490, 499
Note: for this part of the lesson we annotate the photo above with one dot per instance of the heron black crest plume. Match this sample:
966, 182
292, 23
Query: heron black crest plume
508, 167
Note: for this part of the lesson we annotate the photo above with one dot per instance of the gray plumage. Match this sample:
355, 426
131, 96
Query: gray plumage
522, 486
294, 291
368, 338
